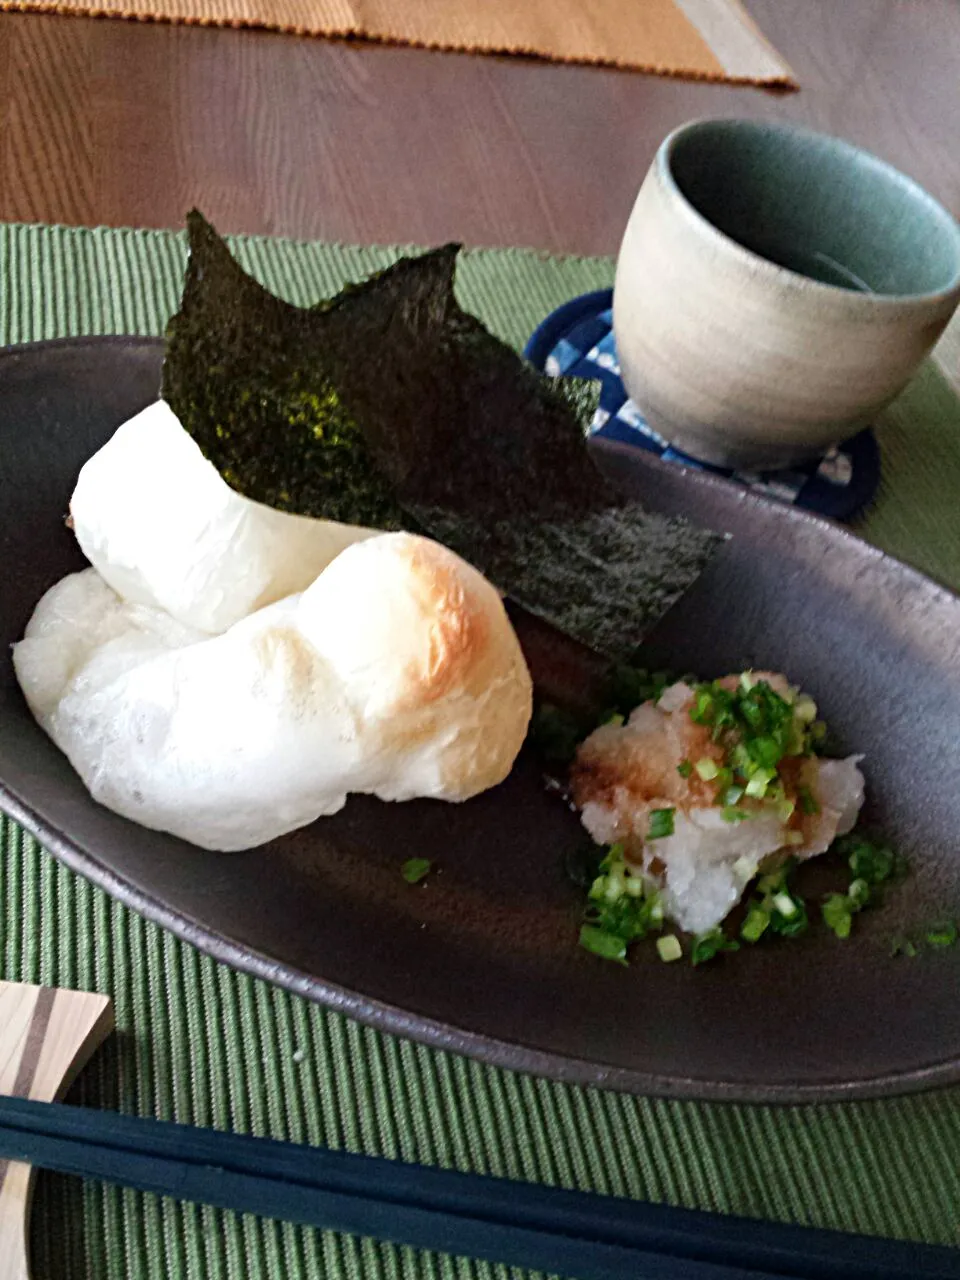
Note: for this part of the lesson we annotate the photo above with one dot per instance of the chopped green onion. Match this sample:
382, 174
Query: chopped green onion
685, 768
414, 869
837, 914
858, 893
732, 795
613, 887
745, 867
661, 824
944, 935
759, 781
785, 904
773, 881
703, 706
808, 802
790, 926
785, 809
709, 944
707, 768
755, 924
633, 887
613, 855
628, 687
669, 948
731, 814
620, 906
742, 761
601, 943
805, 709
616, 720
766, 751
871, 862
747, 681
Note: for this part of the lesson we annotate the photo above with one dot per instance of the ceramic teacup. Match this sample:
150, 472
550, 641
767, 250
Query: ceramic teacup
776, 288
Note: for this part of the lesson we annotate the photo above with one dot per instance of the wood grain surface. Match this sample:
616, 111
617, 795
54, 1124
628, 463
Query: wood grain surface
46, 1036
128, 123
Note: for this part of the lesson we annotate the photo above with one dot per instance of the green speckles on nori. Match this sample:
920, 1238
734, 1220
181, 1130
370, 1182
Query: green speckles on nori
391, 406
251, 378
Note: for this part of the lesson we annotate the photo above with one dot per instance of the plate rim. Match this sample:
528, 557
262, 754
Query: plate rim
390, 1018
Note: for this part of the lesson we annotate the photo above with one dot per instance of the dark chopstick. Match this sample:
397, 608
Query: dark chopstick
590, 1237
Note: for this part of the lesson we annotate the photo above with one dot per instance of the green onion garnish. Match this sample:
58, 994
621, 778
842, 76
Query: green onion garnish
838, 915
685, 768
731, 814
598, 887
869, 861
772, 882
601, 943
785, 809
805, 709
767, 751
791, 926
620, 907
858, 893
414, 869
755, 924
669, 948
633, 886
732, 795
703, 707
710, 944
944, 935
760, 779
661, 824
808, 802
707, 768
785, 904
613, 887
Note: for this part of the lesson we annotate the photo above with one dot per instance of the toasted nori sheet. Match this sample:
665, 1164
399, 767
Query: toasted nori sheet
604, 578
252, 379
391, 406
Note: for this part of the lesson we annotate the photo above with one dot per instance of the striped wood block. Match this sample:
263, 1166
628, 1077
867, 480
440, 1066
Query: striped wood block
46, 1036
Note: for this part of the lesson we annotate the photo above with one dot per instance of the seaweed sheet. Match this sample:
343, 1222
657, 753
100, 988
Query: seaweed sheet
391, 406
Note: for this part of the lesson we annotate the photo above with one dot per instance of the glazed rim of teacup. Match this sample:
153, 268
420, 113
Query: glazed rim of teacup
758, 185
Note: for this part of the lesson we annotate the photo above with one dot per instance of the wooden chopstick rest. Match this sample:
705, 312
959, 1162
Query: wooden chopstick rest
46, 1037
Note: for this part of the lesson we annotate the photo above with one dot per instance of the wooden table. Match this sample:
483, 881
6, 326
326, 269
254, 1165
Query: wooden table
127, 123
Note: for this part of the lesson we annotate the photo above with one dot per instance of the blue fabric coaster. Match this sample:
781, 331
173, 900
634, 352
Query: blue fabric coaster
577, 341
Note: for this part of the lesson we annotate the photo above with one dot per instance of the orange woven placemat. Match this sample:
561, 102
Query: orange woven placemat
704, 39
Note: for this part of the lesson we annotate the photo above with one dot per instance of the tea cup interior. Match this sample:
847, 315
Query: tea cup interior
816, 206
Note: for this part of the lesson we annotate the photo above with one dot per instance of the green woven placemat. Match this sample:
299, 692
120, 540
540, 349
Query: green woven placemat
199, 1043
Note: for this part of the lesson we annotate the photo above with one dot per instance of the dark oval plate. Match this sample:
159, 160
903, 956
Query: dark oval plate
482, 959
